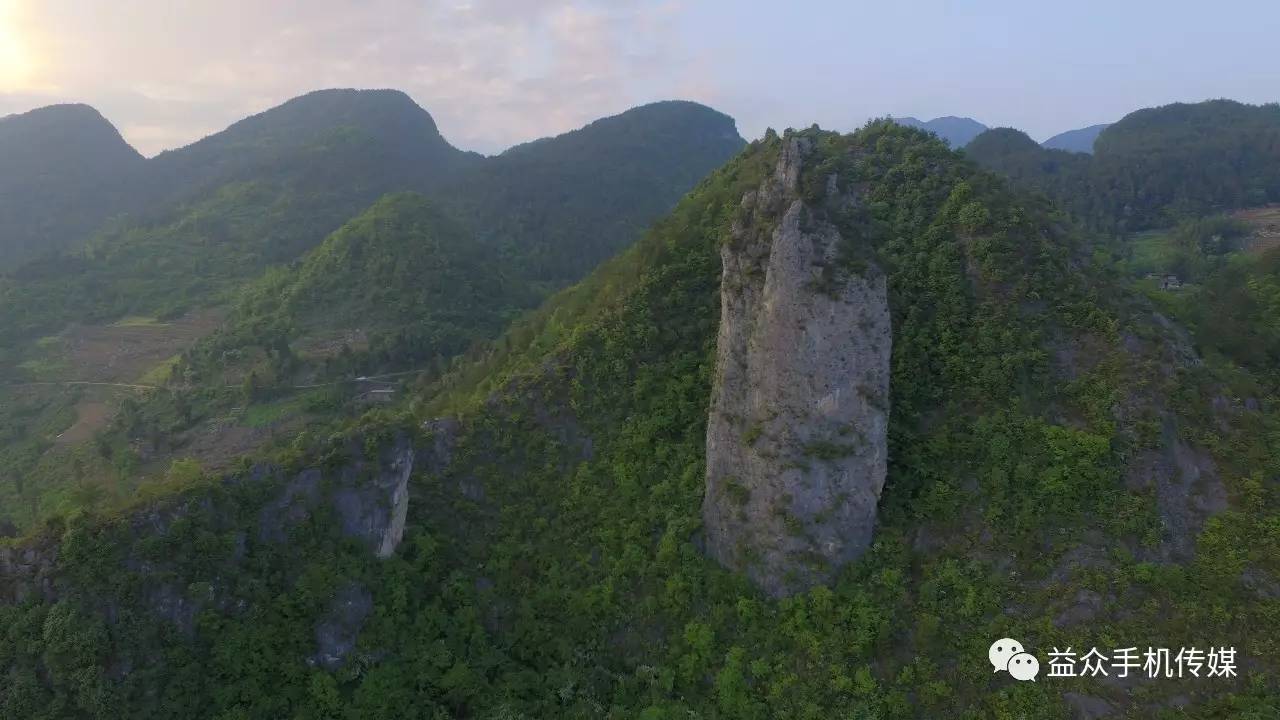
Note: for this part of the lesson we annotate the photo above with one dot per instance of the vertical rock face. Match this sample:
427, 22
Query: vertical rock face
338, 630
796, 438
373, 503
370, 497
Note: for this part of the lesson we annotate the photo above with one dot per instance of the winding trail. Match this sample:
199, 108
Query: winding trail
82, 382
135, 386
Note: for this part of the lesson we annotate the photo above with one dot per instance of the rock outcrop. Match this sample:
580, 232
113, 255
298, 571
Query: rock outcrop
796, 438
28, 573
367, 496
370, 497
374, 502
337, 632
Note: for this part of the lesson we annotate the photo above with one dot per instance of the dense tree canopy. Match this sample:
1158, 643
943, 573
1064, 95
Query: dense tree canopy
241, 227
1154, 167
63, 170
551, 568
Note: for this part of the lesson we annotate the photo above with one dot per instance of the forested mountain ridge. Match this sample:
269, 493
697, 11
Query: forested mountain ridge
538, 217
1043, 425
491, 244
1187, 159
271, 187
382, 141
564, 204
340, 148
63, 170
196, 222
1062, 175
1157, 166
492, 235
386, 268
403, 285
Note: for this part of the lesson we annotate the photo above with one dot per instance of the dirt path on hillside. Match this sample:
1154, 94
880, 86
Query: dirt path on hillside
91, 416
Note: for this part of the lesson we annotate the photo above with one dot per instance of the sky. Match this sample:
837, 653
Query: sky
494, 73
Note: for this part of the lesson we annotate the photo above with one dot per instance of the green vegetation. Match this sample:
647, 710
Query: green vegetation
270, 188
1192, 250
1153, 168
29, 425
558, 207
277, 220
196, 257
550, 566
63, 170
162, 373
1234, 311
405, 276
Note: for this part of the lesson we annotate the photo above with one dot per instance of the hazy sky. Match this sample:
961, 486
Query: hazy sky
497, 72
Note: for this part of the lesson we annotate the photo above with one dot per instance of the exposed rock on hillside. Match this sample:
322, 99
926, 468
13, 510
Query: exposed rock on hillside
27, 573
337, 632
374, 509
796, 439
366, 497
371, 500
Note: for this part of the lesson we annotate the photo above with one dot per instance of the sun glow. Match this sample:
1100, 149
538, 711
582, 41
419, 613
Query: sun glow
17, 68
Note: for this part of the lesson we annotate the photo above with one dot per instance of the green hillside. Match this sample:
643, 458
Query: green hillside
400, 147
408, 280
407, 286
270, 188
1044, 424
421, 286
1063, 176
63, 170
558, 207
1155, 166
201, 220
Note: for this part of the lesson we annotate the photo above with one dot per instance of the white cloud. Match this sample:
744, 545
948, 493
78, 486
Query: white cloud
492, 72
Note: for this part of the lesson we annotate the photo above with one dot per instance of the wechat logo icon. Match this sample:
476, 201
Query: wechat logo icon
1008, 654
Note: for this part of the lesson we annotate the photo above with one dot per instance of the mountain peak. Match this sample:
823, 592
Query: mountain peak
679, 119
64, 128
1080, 140
64, 169
1001, 141
381, 135
352, 100
957, 131
1208, 122
386, 113
675, 108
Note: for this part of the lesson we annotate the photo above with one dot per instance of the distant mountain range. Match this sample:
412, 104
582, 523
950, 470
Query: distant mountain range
960, 131
275, 226
65, 169
1080, 141
321, 158
957, 131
